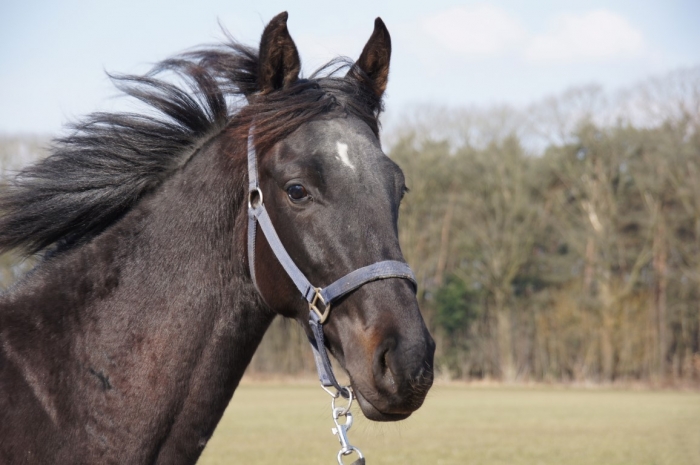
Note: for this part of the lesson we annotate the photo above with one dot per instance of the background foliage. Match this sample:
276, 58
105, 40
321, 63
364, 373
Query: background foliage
559, 242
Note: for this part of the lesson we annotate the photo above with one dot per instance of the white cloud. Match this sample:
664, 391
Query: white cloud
474, 30
484, 30
599, 35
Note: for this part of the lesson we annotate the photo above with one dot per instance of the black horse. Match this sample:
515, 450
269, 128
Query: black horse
127, 341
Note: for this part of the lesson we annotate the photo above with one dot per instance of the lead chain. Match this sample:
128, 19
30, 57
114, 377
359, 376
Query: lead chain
341, 429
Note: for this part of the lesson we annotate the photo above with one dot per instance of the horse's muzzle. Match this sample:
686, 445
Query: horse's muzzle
402, 374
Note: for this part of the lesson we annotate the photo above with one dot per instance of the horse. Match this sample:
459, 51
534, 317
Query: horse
128, 339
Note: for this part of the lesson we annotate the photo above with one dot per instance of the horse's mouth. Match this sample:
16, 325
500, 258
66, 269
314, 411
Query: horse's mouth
374, 414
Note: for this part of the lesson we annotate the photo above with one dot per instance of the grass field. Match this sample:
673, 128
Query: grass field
290, 424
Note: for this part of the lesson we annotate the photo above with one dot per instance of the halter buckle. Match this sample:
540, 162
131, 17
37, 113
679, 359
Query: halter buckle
322, 315
255, 198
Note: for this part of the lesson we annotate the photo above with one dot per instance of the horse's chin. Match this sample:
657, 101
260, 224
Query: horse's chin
374, 414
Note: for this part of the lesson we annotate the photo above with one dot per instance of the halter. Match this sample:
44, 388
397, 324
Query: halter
316, 297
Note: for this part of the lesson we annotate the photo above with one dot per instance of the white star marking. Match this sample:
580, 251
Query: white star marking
343, 154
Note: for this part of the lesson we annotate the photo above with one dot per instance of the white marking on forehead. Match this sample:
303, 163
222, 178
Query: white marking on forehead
343, 154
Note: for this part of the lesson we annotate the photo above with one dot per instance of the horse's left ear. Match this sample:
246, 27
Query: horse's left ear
374, 60
279, 63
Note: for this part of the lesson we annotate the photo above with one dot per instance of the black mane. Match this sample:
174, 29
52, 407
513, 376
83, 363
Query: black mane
111, 160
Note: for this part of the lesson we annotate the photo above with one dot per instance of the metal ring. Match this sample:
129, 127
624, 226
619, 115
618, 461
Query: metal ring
251, 193
344, 392
349, 451
332, 394
340, 411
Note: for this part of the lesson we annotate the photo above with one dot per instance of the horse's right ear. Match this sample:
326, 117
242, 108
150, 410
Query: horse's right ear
372, 68
279, 64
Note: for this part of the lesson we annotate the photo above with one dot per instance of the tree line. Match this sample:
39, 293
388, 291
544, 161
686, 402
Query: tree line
577, 259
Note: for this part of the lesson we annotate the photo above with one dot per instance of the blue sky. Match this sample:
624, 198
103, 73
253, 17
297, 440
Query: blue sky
53, 55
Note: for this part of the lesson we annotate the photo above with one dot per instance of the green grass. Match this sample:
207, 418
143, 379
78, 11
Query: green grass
290, 424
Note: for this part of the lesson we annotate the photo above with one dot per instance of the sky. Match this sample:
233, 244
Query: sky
54, 55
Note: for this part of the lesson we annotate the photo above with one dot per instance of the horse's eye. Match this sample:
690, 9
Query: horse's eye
297, 192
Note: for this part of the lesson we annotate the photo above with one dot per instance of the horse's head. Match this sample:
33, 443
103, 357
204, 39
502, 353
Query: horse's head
333, 197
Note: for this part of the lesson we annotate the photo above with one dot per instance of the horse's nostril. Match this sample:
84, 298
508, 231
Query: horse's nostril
385, 376
402, 369
383, 373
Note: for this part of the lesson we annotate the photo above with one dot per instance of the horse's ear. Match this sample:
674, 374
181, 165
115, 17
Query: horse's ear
374, 60
279, 63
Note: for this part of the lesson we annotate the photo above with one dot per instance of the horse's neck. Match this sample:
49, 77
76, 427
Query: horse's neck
138, 339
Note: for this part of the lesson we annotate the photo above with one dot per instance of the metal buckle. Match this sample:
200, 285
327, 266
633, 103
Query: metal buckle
312, 305
255, 198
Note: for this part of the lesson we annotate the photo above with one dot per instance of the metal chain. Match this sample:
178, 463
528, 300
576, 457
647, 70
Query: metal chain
341, 429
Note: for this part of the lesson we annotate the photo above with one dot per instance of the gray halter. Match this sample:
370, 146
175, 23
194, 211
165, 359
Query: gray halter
316, 296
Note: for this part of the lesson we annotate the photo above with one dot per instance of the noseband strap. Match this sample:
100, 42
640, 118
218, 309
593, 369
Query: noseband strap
315, 296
